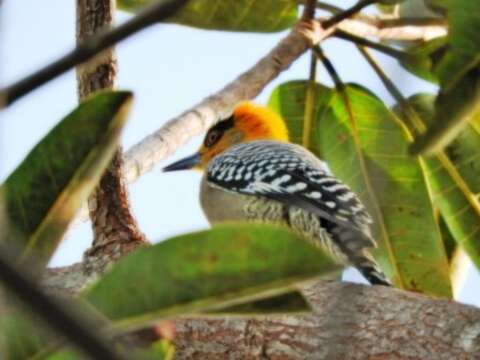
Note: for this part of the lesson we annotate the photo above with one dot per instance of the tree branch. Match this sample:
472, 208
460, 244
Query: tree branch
115, 230
366, 27
349, 322
337, 18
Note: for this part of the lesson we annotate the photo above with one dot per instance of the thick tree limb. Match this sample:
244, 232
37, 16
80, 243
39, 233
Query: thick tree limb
115, 229
350, 322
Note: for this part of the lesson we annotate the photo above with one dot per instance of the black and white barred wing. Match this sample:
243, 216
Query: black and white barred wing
292, 175
295, 177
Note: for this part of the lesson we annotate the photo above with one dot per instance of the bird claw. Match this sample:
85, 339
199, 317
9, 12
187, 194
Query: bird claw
312, 31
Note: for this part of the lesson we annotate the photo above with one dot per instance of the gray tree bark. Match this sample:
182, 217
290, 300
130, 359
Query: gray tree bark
114, 227
349, 322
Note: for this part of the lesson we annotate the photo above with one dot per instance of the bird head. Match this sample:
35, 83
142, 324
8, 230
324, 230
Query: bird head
248, 122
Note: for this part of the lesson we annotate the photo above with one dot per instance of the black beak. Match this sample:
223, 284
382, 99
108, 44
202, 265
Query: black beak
184, 164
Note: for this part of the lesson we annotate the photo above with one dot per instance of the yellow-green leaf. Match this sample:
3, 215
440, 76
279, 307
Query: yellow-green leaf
48, 187
236, 15
205, 271
454, 109
464, 52
455, 197
366, 148
423, 58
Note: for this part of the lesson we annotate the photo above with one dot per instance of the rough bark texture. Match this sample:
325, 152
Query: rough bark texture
115, 229
350, 322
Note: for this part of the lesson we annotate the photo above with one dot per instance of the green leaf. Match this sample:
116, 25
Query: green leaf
205, 271
464, 51
423, 57
22, 339
238, 15
418, 9
291, 303
367, 150
459, 74
288, 100
454, 109
159, 350
455, 198
389, 2
49, 186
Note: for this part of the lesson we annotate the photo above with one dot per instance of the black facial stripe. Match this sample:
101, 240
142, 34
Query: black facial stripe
218, 131
224, 125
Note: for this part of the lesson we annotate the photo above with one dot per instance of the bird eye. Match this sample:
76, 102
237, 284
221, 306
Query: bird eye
212, 137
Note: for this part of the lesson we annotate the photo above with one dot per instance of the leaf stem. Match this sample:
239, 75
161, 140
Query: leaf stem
309, 102
398, 54
417, 126
329, 67
340, 86
346, 14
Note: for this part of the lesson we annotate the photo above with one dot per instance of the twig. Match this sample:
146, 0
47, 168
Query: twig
309, 102
329, 7
369, 188
329, 67
346, 14
152, 14
363, 28
309, 10
407, 21
67, 324
398, 54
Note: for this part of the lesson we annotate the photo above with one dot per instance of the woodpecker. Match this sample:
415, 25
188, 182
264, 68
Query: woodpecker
252, 173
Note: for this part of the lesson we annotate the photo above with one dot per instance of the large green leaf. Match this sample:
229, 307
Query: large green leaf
205, 271
423, 58
366, 148
292, 302
455, 197
49, 186
22, 339
232, 15
159, 350
459, 73
464, 52
454, 109
417, 9
288, 100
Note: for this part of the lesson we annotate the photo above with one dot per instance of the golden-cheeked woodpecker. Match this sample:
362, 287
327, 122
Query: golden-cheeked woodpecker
252, 173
